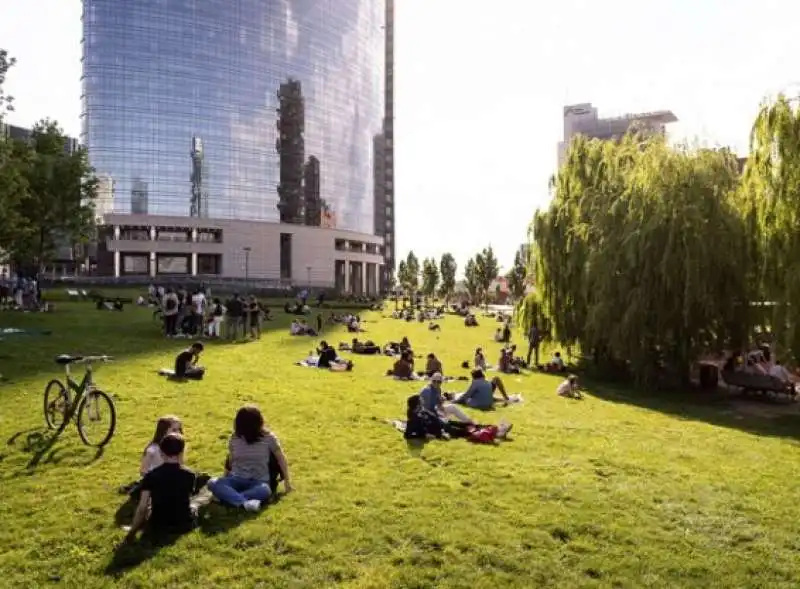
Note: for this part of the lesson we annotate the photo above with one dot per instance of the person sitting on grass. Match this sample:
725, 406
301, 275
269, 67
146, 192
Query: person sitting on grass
166, 493
506, 363
480, 394
479, 362
432, 401
434, 326
470, 321
330, 360
569, 388
186, 363
151, 456
246, 483
403, 368
556, 364
498, 335
432, 366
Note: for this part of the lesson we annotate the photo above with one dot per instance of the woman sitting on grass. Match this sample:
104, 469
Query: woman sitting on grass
403, 368
246, 483
151, 457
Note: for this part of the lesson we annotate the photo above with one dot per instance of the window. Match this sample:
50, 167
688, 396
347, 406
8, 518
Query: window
173, 264
135, 264
286, 256
209, 264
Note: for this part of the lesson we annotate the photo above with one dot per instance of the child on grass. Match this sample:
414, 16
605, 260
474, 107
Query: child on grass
165, 494
569, 388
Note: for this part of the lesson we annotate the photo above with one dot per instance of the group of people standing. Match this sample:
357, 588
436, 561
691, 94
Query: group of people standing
193, 314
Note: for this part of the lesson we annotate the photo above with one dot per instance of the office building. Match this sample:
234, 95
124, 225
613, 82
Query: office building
104, 202
158, 74
583, 119
388, 144
277, 104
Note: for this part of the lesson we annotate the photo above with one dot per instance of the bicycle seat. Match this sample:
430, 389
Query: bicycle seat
67, 359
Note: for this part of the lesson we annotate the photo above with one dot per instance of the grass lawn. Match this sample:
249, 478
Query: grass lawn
618, 490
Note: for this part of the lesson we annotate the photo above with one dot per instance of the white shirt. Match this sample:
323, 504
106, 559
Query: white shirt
152, 458
565, 388
778, 371
199, 302
557, 361
295, 329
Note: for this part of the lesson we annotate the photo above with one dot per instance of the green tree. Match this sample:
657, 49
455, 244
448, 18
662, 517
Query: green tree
771, 201
642, 256
58, 209
447, 274
471, 281
486, 269
412, 273
6, 63
517, 277
430, 277
402, 275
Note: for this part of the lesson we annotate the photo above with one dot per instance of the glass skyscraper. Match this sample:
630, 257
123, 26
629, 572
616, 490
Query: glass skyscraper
244, 109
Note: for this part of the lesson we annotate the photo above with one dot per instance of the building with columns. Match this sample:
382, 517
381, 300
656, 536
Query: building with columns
160, 247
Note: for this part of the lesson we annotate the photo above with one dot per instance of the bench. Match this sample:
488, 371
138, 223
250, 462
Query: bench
759, 384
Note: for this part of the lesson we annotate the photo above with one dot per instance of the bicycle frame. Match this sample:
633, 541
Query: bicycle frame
81, 387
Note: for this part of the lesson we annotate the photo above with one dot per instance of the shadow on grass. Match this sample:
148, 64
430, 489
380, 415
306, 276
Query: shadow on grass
715, 408
41, 447
78, 328
127, 556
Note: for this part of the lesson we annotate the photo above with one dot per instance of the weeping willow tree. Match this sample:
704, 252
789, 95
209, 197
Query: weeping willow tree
771, 189
642, 257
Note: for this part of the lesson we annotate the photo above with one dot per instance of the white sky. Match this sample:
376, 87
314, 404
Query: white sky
480, 88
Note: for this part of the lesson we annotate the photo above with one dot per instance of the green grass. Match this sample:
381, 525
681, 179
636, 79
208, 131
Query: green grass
619, 490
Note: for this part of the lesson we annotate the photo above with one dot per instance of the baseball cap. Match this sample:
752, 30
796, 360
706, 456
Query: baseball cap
437, 377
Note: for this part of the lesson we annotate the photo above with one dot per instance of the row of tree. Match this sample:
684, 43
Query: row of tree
439, 279
651, 256
47, 190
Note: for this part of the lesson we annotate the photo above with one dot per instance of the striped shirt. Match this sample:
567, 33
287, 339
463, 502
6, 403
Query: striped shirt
251, 461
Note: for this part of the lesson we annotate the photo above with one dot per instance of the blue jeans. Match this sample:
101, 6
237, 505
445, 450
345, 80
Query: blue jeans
235, 490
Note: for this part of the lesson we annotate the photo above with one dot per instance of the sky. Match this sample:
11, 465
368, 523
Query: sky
480, 90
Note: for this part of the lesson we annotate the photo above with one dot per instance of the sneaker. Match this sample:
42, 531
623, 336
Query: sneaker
252, 505
504, 429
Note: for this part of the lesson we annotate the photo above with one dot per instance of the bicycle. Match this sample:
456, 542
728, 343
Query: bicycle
60, 406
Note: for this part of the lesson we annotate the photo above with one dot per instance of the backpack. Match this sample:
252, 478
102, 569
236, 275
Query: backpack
170, 304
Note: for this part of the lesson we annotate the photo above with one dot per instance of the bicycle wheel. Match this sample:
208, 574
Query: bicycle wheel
56, 404
97, 418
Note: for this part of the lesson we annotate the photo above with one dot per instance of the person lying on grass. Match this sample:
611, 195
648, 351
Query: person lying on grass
358, 347
480, 394
166, 493
421, 424
247, 473
569, 388
186, 362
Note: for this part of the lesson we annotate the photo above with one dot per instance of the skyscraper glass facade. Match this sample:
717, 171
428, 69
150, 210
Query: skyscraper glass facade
277, 92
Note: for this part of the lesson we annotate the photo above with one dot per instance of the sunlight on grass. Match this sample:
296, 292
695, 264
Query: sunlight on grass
618, 490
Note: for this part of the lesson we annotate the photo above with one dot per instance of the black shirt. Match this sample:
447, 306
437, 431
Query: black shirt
171, 487
326, 358
235, 308
183, 361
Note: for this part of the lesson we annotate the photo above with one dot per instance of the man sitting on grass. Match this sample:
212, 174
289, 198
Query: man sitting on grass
186, 363
166, 491
480, 394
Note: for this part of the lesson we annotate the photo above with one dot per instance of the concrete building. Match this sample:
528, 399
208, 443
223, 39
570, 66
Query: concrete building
71, 144
583, 119
290, 254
